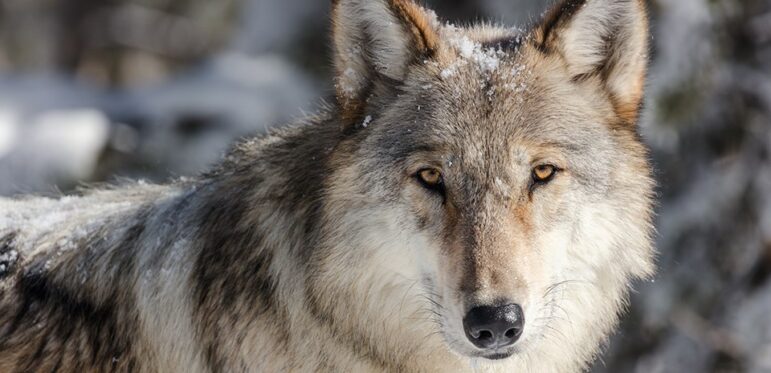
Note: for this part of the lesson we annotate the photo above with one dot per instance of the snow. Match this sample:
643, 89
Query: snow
367, 121
58, 226
449, 72
349, 82
486, 59
7, 260
465, 46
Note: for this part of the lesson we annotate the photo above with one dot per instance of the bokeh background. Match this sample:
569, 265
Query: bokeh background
96, 90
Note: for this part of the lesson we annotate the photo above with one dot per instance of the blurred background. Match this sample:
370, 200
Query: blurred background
94, 90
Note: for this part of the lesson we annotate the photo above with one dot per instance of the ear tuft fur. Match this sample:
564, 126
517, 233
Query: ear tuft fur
376, 40
605, 38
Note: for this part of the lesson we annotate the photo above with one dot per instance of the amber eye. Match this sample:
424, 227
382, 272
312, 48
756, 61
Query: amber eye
544, 173
431, 178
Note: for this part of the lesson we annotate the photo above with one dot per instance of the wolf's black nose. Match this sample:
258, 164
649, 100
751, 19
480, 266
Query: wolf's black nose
491, 327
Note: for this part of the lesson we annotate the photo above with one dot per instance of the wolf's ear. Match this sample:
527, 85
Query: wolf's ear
377, 40
603, 38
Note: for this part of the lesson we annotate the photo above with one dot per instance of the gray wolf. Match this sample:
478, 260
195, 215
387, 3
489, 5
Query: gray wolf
476, 198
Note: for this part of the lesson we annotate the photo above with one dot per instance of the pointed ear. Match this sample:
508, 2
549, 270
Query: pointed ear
377, 40
603, 38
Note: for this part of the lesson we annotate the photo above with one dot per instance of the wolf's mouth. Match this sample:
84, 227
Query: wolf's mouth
498, 355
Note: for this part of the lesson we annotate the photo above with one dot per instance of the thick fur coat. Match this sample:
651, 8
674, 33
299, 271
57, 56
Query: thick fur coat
458, 167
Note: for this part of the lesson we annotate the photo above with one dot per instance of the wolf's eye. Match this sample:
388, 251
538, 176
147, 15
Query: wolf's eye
544, 173
431, 179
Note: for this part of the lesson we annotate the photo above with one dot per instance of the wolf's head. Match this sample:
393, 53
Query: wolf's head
491, 177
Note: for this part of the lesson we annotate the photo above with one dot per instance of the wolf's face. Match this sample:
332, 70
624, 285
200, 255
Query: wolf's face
500, 167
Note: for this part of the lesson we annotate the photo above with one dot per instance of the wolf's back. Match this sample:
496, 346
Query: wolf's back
68, 277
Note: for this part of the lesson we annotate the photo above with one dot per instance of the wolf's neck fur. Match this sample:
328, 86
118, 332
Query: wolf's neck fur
259, 223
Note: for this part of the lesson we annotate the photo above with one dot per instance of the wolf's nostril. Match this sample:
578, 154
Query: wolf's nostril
491, 327
511, 333
485, 335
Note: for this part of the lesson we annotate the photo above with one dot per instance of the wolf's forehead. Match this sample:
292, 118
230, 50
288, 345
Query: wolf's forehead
485, 35
485, 100
505, 130
482, 71
479, 52
483, 142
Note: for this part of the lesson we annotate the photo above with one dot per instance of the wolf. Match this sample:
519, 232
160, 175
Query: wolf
476, 198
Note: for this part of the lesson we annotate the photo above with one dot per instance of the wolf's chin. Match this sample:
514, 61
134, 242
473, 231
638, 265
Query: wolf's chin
502, 354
